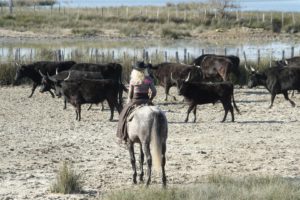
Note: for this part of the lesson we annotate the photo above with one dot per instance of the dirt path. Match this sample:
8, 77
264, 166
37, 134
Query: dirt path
37, 135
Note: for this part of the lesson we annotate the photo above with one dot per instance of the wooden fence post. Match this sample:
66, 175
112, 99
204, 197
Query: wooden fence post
185, 56
271, 57
177, 57
166, 56
283, 52
282, 19
225, 51
202, 51
258, 57
292, 52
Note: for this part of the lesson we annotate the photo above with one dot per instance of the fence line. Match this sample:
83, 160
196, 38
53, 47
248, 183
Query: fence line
167, 13
96, 55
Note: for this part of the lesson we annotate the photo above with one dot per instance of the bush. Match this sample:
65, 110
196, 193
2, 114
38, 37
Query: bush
67, 181
276, 25
174, 34
7, 73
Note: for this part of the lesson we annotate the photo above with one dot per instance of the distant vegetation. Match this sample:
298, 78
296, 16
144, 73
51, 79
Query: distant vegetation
219, 187
29, 2
172, 21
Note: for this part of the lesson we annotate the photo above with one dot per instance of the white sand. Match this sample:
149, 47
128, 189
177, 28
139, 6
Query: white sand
37, 135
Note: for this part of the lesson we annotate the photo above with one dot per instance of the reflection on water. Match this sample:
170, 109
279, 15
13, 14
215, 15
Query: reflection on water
136, 48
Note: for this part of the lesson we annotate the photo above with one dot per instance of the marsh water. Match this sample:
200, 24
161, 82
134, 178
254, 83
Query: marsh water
136, 47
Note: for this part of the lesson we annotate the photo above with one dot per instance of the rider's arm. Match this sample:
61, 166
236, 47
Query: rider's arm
153, 91
130, 93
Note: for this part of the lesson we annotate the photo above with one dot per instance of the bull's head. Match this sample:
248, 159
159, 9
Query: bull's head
45, 83
181, 83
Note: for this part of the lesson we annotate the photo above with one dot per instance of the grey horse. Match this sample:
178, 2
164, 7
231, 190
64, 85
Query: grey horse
148, 126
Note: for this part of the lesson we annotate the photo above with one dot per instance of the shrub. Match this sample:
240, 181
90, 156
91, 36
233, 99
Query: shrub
7, 73
67, 181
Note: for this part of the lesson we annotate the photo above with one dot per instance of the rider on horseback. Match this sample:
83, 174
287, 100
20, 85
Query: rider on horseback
141, 92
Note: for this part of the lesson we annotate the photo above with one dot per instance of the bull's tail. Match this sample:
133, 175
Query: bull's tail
234, 104
123, 87
157, 135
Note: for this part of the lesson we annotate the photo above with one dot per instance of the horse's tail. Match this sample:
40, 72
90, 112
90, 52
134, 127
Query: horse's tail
157, 139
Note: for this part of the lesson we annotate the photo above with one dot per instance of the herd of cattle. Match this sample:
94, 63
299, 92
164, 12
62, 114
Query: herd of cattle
201, 82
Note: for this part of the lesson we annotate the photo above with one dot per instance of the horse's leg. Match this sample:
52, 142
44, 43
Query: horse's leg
167, 88
149, 161
132, 160
286, 96
33, 89
102, 106
163, 163
141, 163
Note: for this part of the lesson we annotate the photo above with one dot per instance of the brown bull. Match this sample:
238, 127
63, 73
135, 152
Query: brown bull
218, 66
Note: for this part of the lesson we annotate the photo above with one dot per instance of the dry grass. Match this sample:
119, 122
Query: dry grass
220, 187
67, 181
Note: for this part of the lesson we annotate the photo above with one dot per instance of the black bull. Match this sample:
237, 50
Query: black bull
50, 82
215, 67
277, 80
46, 67
84, 91
162, 72
198, 93
109, 71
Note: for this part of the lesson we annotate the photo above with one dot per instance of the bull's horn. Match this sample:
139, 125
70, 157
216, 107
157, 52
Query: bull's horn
188, 78
42, 74
56, 71
67, 77
286, 62
198, 66
252, 69
51, 78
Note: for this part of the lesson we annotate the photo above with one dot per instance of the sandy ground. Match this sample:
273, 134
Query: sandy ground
37, 135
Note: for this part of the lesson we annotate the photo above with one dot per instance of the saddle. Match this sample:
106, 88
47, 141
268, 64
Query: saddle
136, 107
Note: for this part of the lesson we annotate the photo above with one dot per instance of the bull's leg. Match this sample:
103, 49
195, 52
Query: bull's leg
51, 93
272, 100
163, 163
65, 102
194, 111
102, 106
286, 96
132, 160
149, 161
226, 108
90, 107
33, 89
231, 112
141, 162
79, 111
167, 88
111, 105
188, 112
